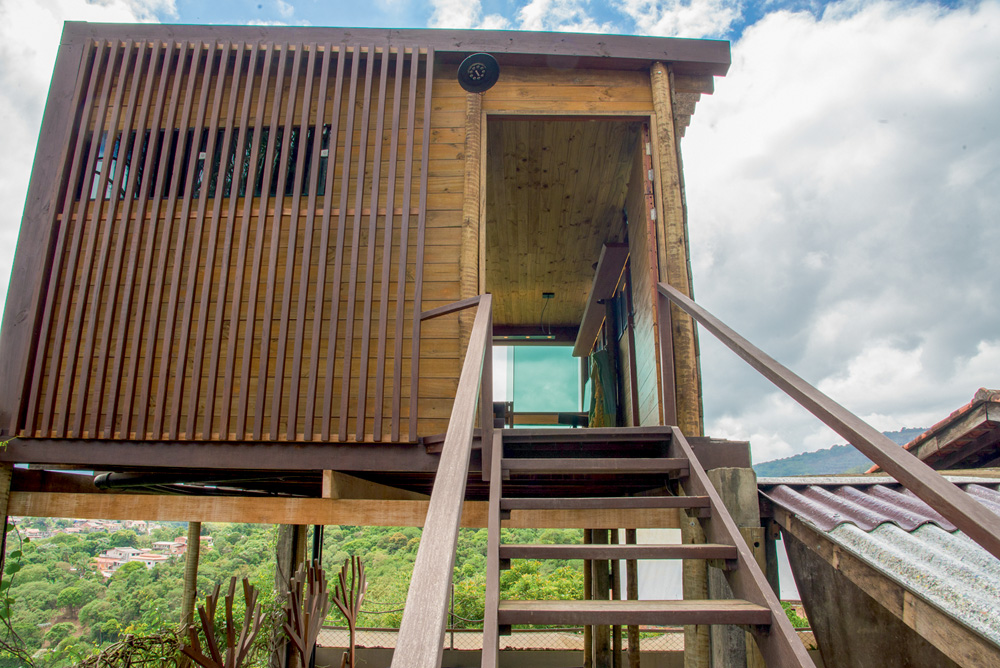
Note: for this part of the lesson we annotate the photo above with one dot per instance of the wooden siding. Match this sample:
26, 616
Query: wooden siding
643, 268
178, 309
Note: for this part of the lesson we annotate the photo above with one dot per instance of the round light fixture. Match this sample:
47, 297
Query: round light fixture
478, 72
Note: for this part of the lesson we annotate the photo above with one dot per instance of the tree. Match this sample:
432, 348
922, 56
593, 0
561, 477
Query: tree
58, 632
126, 538
72, 599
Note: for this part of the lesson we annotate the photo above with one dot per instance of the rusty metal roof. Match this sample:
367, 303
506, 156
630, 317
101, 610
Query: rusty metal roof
869, 505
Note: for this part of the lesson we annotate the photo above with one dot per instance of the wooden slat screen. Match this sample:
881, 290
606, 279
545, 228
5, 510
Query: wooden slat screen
238, 249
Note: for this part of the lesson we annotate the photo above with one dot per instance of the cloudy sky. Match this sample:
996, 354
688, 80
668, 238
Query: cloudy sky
843, 182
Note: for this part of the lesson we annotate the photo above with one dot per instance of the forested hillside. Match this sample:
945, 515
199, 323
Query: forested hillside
829, 461
63, 610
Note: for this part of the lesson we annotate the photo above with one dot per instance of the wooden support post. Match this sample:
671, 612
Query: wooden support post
471, 208
191, 556
771, 534
672, 249
290, 553
602, 587
697, 650
588, 594
6, 472
632, 594
738, 489
616, 595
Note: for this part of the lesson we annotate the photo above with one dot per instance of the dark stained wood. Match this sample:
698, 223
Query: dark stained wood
662, 613
609, 552
59, 322
490, 656
227, 250
421, 632
120, 335
241, 262
345, 180
110, 230
606, 279
194, 249
263, 389
449, 308
553, 503
27, 310
366, 316
418, 281
352, 285
195, 394
321, 270
278, 390
778, 643
968, 515
597, 465
632, 594
404, 235
307, 244
387, 247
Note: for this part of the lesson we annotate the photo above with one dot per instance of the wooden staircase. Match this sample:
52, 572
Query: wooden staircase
591, 469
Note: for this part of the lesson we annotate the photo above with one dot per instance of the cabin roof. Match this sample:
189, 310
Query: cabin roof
557, 50
905, 540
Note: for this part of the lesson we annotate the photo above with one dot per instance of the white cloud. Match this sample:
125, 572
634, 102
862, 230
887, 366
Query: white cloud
681, 18
285, 9
844, 196
29, 38
561, 16
458, 14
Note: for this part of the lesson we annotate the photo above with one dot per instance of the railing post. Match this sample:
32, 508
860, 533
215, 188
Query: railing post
486, 405
668, 381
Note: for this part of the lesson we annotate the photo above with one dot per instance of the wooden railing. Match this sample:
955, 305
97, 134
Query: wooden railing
421, 632
968, 515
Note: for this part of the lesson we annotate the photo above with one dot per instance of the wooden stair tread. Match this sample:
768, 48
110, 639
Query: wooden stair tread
596, 465
600, 502
605, 434
598, 551
730, 611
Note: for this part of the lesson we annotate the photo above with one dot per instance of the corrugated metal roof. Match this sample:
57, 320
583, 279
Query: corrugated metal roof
902, 537
868, 506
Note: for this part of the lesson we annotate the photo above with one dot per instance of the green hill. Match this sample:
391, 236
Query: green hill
829, 461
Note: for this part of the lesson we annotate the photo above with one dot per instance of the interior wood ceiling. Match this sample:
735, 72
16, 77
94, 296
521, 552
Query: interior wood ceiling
554, 195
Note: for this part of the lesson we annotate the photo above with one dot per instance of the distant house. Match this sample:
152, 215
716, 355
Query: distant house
171, 547
111, 560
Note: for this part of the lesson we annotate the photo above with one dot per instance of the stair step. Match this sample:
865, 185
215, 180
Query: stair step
603, 502
596, 466
607, 552
600, 434
671, 613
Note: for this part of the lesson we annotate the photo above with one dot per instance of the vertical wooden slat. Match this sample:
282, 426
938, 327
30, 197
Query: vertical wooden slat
306, 267
390, 203
348, 368
331, 164
366, 317
110, 394
125, 318
193, 250
213, 238
98, 305
272, 267
61, 322
404, 236
418, 280
236, 315
99, 222
167, 361
345, 180
165, 235
293, 231
89, 69
265, 189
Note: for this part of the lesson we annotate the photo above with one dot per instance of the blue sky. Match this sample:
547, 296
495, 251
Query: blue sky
843, 182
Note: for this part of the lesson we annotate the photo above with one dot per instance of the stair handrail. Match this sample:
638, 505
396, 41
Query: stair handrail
420, 643
971, 517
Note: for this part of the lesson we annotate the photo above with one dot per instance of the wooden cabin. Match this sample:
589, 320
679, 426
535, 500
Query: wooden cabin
275, 260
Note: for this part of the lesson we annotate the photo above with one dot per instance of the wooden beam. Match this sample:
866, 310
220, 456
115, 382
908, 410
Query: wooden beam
674, 254
468, 261
276, 510
609, 272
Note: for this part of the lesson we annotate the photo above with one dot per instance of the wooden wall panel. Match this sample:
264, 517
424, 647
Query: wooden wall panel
190, 299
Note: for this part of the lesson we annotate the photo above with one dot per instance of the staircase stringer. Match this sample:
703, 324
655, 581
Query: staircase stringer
491, 640
778, 643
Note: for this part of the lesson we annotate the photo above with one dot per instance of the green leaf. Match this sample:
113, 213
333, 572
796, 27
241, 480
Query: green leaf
16, 554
